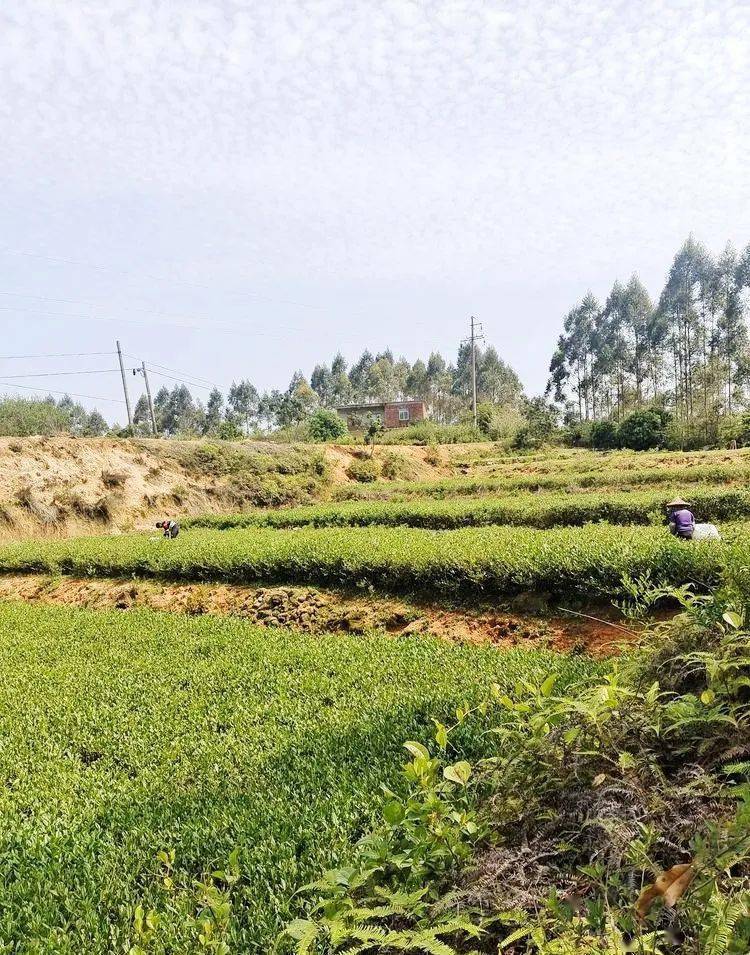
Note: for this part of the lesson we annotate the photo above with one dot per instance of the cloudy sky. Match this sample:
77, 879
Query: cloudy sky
241, 189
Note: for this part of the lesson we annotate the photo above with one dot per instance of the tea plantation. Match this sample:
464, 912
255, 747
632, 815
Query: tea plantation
126, 735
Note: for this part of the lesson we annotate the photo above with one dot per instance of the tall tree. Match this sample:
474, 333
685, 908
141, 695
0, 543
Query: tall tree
214, 411
243, 403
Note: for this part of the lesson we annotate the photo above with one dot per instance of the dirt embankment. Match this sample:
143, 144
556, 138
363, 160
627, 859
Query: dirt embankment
312, 610
63, 486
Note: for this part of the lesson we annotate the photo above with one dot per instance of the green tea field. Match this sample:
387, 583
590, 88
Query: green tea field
173, 780
129, 735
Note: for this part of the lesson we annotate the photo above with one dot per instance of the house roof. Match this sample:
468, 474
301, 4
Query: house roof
369, 406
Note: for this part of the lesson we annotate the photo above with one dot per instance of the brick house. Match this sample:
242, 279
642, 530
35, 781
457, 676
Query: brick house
393, 414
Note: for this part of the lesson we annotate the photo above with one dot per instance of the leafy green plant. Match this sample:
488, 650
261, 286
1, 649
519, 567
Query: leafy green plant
326, 425
619, 785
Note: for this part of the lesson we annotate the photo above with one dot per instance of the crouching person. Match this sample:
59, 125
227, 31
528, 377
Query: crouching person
681, 519
171, 528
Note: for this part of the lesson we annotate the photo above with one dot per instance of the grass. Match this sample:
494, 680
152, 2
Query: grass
127, 734
491, 561
530, 510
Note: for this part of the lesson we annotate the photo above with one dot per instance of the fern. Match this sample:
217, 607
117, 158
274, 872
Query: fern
722, 915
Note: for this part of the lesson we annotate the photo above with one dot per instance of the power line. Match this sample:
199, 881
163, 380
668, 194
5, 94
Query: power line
98, 305
54, 374
155, 364
183, 381
218, 327
80, 354
71, 394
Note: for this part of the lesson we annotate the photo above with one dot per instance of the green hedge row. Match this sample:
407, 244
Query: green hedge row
530, 510
615, 478
492, 561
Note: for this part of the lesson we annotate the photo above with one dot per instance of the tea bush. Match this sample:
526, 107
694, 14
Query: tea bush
555, 478
139, 750
530, 510
491, 561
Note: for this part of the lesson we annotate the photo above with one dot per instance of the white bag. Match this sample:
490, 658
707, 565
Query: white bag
706, 532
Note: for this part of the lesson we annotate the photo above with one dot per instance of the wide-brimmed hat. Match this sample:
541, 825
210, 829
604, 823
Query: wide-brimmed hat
677, 502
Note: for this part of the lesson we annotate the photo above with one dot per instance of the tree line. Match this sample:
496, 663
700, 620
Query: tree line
27, 416
445, 386
686, 356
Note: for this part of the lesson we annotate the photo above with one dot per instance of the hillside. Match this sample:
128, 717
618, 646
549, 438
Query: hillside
63, 486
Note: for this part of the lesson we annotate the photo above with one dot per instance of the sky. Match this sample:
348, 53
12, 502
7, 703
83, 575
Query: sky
239, 190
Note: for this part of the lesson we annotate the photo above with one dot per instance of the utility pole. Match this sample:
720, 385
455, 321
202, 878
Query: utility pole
148, 395
125, 387
476, 336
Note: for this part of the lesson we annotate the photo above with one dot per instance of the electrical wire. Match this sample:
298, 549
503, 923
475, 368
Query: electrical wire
54, 374
97, 305
149, 323
72, 394
183, 381
154, 364
80, 354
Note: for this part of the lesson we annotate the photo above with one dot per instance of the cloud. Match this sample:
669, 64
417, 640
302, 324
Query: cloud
427, 142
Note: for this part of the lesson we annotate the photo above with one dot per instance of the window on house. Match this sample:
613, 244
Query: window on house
403, 414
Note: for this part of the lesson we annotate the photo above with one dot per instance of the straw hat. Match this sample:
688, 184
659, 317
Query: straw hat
677, 502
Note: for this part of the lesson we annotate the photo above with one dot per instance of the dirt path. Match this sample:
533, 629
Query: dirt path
313, 610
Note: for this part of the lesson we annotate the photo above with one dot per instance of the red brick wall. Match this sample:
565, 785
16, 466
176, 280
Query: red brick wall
416, 413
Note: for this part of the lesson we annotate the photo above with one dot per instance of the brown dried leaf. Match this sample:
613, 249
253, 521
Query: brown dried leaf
671, 885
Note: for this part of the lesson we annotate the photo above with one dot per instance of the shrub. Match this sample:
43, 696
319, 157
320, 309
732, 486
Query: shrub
229, 431
326, 425
501, 423
396, 467
26, 416
430, 432
642, 430
365, 471
487, 561
604, 435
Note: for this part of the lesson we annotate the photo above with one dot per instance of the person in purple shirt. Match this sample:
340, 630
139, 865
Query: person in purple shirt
681, 519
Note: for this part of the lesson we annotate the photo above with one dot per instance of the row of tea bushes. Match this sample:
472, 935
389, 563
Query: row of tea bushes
530, 510
490, 561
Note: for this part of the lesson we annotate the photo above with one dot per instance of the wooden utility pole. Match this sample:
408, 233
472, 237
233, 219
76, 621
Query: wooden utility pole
148, 396
125, 387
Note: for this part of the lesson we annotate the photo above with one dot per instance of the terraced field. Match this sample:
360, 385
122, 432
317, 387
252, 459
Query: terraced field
523, 509
130, 735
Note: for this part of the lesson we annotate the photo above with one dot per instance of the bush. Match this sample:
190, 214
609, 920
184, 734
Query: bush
501, 423
26, 416
326, 425
477, 561
604, 435
229, 431
429, 432
642, 430
365, 471
184, 719
395, 467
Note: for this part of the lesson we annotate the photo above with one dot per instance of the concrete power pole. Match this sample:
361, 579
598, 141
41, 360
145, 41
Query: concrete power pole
148, 395
476, 335
125, 387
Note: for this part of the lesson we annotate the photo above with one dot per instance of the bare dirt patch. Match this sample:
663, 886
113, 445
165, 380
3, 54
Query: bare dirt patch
314, 610
64, 486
